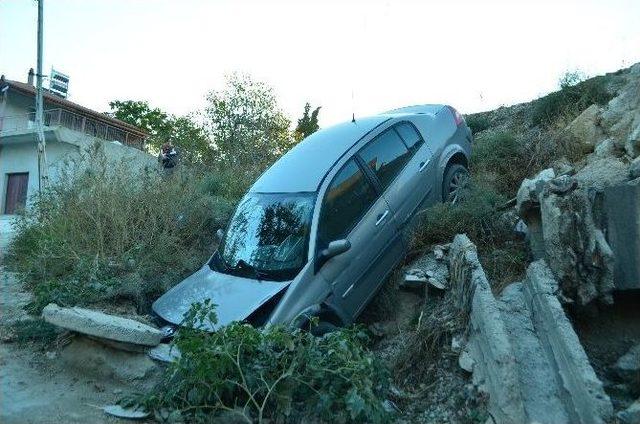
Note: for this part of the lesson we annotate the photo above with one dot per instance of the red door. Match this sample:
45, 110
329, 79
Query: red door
16, 192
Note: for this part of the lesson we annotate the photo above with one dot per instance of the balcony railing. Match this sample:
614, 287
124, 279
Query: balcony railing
73, 121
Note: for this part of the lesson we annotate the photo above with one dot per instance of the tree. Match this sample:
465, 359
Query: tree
183, 132
308, 124
246, 123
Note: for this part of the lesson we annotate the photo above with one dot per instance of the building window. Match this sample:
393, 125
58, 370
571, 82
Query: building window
16, 196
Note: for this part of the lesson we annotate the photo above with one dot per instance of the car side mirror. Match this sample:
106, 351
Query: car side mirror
220, 235
334, 248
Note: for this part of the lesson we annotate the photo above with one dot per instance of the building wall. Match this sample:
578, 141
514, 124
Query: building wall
23, 157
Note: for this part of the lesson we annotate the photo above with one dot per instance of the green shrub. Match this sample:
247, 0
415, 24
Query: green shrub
573, 97
270, 375
104, 232
503, 159
477, 122
475, 215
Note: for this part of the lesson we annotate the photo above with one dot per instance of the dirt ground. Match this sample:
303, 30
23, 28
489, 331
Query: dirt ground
35, 387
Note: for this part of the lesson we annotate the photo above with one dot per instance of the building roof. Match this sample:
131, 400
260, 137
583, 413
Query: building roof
303, 168
30, 90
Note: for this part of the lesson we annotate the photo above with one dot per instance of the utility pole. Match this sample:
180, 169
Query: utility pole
43, 169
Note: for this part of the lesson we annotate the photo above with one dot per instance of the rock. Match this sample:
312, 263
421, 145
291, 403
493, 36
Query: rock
465, 361
438, 284
631, 415
622, 210
602, 172
628, 367
634, 169
563, 167
438, 253
632, 146
126, 413
605, 148
456, 343
585, 129
102, 325
521, 229
562, 184
529, 190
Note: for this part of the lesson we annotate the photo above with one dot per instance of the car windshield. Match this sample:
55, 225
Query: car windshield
268, 236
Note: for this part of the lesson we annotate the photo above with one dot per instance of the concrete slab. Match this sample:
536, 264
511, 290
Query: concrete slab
622, 210
102, 325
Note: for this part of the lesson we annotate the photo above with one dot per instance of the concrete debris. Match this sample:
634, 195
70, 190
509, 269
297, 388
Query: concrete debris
524, 352
628, 367
574, 247
527, 197
438, 253
622, 211
456, 343
126, 413
632, 146
101, 325
437, 283
631, 415
429, 270
605, 148
634, 169
165, 352
414, 278
621, 117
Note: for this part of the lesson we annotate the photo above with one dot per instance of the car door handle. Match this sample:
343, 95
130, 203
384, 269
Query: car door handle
423, 165
382, 217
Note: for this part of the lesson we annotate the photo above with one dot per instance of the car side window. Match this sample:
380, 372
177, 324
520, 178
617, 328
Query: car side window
410, 135
348, 198
386, 155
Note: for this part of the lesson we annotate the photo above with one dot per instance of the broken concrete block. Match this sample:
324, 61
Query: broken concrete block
165, 352
414, 278
622, 211
574, 248
101, 325
631, 415
585, 398
628, 367
529, 190
465, 361
634, 168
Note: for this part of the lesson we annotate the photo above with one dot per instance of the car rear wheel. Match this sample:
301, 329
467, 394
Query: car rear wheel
454, 183
322, 328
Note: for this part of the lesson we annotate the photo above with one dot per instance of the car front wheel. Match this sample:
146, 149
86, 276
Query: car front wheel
454, 183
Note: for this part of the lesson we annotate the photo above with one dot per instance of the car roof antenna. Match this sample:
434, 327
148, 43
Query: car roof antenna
353, 113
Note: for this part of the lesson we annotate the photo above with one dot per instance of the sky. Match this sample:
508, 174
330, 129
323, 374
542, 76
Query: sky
360, 57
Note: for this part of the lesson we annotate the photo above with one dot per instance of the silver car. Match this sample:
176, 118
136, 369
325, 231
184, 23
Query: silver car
322, 228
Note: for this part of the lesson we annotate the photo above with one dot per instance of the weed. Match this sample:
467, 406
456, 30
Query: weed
477, 122
103, 233
574, 96
36, 331
270, 375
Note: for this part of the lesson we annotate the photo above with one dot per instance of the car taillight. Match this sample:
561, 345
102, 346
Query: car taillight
456, 116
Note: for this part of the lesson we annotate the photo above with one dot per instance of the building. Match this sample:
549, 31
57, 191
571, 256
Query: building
69, 128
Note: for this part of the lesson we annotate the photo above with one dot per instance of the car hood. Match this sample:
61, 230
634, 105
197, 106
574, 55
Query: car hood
236, 297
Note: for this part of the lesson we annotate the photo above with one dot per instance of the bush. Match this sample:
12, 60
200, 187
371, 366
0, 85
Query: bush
36, 331
477, 122
273, 375
475, 216
104, 232
503, 159
573, 97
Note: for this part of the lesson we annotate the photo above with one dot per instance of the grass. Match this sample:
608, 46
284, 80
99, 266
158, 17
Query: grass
102, 234
477, 122
33, 331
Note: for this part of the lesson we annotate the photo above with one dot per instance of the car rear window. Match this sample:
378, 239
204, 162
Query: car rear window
409, 134
348, 198
386, 155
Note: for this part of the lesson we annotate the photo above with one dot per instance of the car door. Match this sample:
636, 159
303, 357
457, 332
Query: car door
353, 209
402, 163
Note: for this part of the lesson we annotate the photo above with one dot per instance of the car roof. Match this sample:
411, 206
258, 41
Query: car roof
303, 168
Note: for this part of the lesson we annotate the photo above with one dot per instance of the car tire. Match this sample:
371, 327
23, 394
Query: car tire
322, 328
454, 183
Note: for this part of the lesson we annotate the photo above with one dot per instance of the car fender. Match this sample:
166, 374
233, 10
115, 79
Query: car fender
446, 156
